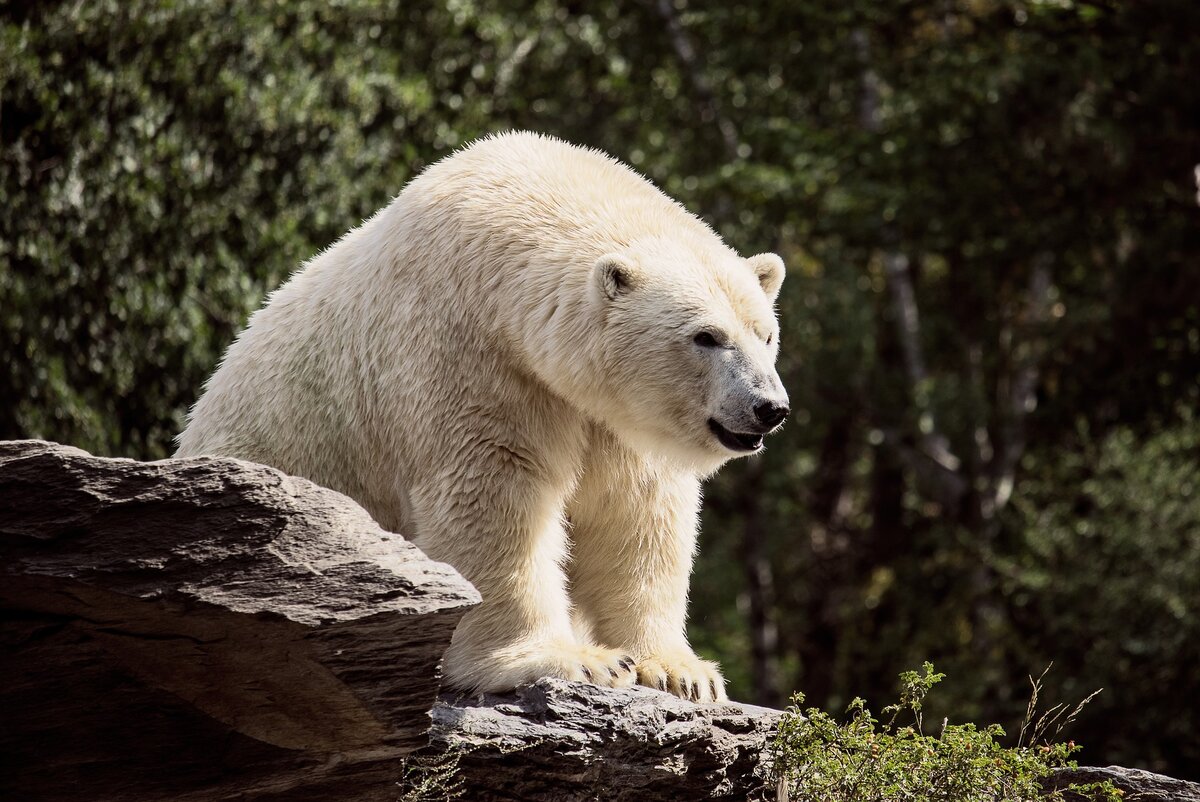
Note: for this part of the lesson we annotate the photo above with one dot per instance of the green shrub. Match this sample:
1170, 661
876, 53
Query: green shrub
816, 758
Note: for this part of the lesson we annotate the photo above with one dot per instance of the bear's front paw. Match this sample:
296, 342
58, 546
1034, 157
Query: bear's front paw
564, 659
684, 674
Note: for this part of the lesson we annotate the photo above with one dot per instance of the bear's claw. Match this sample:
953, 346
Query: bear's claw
570, 660
683, 674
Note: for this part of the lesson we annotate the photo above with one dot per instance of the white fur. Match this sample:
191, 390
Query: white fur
501, 364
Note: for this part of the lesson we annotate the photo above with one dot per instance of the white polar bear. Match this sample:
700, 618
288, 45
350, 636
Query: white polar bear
526, 362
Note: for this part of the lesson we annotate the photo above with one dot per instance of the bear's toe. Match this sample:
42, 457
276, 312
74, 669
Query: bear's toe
683, 674
586, 663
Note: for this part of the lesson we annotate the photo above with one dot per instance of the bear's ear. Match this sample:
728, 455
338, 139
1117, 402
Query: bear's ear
615, 275
768, 269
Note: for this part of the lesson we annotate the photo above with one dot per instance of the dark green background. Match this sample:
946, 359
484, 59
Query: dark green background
1025, 167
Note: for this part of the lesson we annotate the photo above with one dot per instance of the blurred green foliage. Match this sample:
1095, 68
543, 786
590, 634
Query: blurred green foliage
994, 473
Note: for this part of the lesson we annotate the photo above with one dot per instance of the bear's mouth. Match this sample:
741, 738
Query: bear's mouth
734, 441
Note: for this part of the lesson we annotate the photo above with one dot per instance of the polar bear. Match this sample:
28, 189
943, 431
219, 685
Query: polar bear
526, 362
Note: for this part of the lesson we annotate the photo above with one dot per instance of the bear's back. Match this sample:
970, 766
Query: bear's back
524, 190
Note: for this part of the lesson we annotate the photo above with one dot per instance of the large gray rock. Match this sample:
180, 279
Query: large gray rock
207, 627
1136, 784
558, 740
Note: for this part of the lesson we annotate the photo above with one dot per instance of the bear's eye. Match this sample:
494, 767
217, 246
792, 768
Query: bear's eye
706, 339
770, 338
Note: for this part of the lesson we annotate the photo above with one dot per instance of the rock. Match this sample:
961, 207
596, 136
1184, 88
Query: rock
1137, 785
207, 629
203, 628
560, 740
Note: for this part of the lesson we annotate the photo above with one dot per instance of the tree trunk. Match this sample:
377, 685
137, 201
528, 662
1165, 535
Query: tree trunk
760, 590
817, 638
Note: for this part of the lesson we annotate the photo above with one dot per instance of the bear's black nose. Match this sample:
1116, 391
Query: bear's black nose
770, 413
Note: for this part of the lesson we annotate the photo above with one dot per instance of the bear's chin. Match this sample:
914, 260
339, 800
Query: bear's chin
701, 453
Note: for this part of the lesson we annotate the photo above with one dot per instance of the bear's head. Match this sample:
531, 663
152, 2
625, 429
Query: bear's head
688, 346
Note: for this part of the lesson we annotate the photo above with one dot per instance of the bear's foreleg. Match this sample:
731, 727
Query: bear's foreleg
633, 531
499, 522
